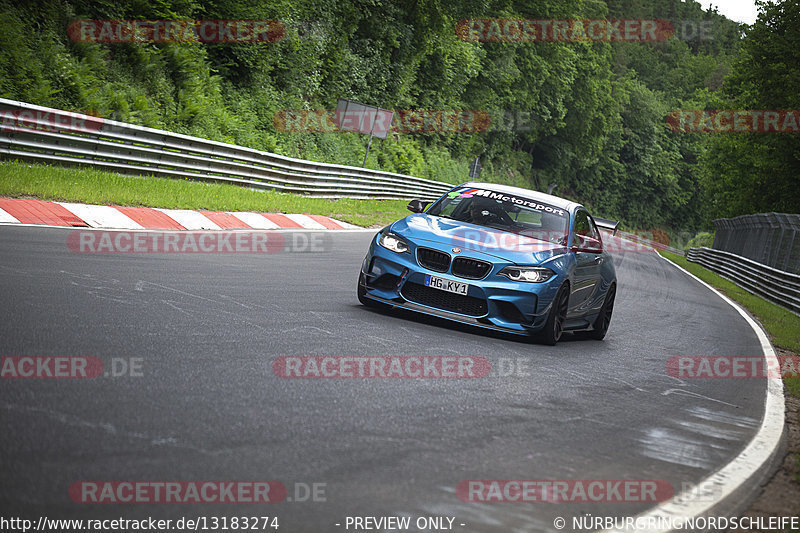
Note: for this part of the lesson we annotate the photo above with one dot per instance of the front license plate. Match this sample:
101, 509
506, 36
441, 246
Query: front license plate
446, 285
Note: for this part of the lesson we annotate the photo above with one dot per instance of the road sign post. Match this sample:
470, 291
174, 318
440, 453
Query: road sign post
352, 116
475, 168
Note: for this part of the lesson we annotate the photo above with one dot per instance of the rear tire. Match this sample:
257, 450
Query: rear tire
603, 320
554, 325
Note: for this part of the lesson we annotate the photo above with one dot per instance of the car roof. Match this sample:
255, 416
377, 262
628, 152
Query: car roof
527, 193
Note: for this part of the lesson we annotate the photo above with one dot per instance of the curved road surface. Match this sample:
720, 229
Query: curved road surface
209, 407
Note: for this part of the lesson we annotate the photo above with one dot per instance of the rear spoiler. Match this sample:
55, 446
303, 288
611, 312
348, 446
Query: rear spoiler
604, 223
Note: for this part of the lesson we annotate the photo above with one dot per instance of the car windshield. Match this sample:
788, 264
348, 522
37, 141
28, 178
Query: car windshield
505, 212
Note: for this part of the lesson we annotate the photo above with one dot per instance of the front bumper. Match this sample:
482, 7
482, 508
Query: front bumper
493, 302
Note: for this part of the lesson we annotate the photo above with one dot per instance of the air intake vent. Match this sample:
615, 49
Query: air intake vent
466, 267
447, 301
433, 259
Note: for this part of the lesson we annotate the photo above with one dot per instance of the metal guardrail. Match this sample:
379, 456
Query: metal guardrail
44, 135
772, 239
777, 286
641, 238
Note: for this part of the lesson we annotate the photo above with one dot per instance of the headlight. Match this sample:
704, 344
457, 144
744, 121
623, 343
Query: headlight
527, 274
393, 242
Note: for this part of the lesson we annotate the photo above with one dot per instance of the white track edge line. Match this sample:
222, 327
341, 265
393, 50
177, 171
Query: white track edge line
741, 469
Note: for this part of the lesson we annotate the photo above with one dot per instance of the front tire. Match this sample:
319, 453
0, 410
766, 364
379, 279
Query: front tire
603, 320
554, 325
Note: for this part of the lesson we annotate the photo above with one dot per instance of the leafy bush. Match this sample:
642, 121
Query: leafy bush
586, 118
704, 238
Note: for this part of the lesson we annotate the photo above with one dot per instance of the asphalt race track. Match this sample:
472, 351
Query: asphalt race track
204, 330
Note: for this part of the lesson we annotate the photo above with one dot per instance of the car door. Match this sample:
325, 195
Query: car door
588, 249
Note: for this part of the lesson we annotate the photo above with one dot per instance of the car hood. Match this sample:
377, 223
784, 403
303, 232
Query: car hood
519, 249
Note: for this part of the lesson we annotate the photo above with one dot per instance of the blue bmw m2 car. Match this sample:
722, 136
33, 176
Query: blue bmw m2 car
497, 257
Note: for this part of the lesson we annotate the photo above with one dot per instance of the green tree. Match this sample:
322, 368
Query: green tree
757, 172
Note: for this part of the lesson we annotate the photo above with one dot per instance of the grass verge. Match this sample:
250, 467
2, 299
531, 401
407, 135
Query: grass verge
781, 325
90, 186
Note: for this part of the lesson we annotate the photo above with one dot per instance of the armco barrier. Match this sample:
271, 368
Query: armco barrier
641, 238
777, 286
43, 135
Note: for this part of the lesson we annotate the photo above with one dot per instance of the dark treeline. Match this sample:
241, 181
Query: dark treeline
587, 118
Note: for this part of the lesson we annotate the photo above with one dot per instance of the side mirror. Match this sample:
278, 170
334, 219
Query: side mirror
587, 244
417, 206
